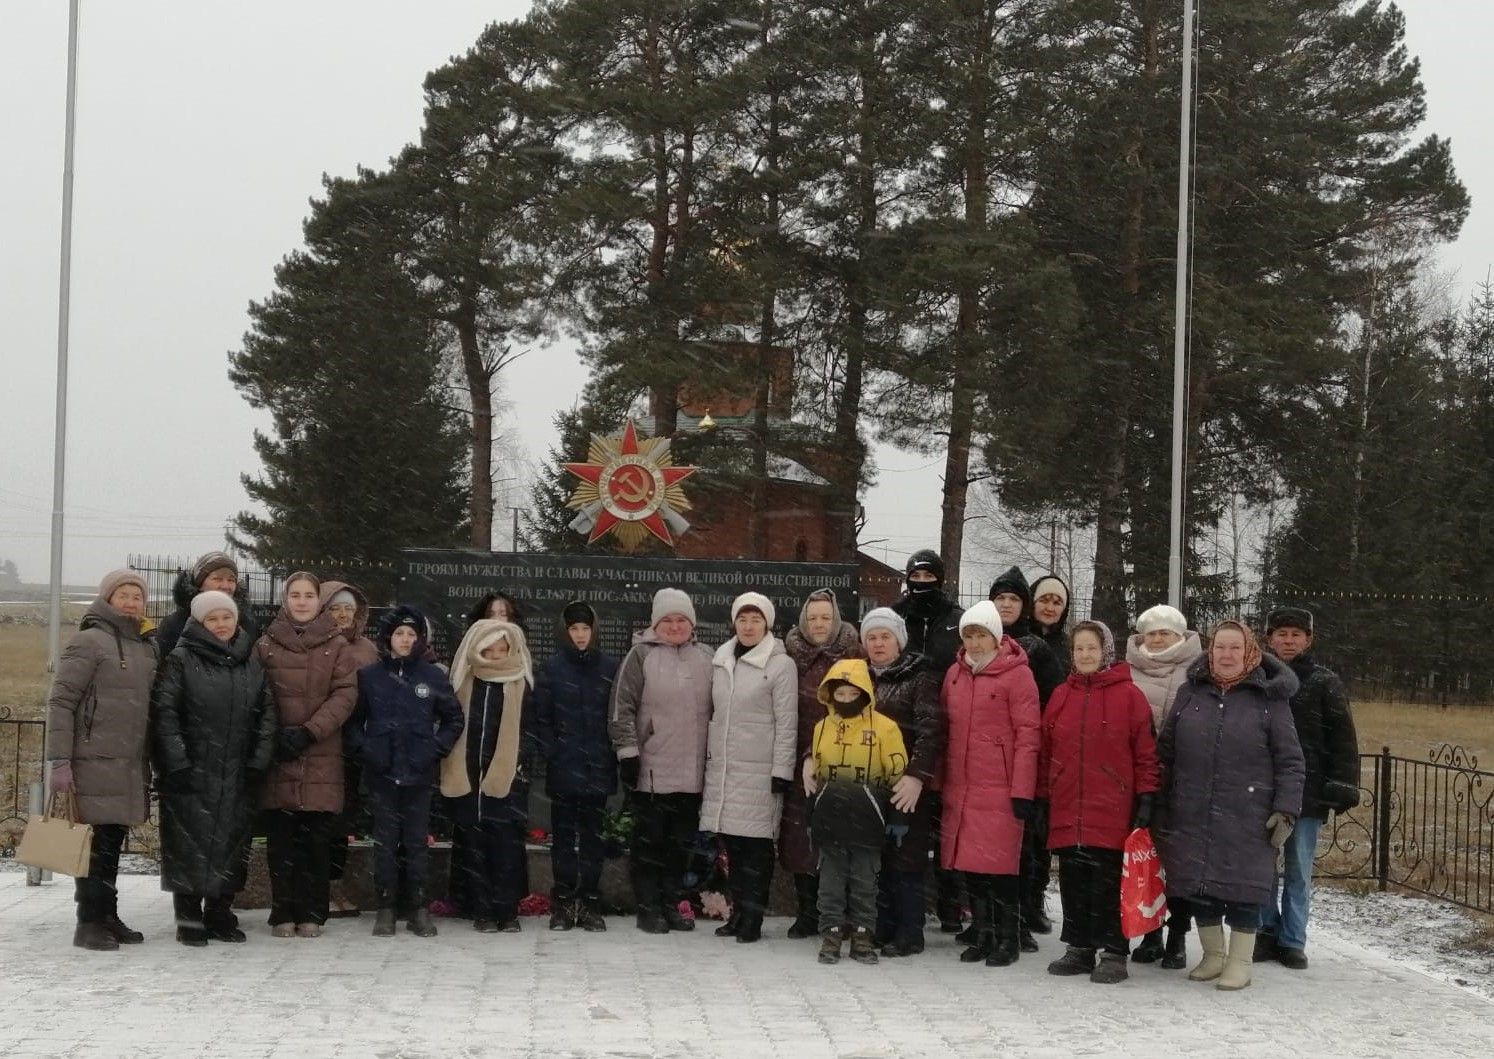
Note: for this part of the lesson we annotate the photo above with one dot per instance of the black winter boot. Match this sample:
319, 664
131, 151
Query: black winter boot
651, 921
676, 919
563, 912
194, 936
94, 936
750, 928
589, 915
807, 892
1112, 969
1074, 961
1006, 926
387, 915
1025, 941
384, 922
981, 926
119, 932
731, 926
420, 923
830, 946
221, 923
1150, 950
1265, 948
1175, 956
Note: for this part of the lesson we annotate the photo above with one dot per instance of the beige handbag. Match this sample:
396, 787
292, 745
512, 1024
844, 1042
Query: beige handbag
57, 843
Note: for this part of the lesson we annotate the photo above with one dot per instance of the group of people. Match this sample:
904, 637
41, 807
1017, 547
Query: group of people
933, 744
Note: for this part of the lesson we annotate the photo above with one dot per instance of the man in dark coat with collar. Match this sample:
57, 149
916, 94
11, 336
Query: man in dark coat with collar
1325, 729
933, 621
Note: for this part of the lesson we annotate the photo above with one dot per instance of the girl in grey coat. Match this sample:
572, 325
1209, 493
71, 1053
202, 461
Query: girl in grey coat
1232, 789
750, 756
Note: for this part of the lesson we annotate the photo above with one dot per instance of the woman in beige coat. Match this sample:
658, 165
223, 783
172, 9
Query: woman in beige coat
98, 717
750, 759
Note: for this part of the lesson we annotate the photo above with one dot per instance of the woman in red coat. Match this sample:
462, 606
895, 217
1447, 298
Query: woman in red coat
1098, 772
990, 777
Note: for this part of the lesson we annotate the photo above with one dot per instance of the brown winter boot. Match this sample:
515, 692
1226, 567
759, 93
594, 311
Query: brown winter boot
830, 946
1212, 965
862, 949
1236, 973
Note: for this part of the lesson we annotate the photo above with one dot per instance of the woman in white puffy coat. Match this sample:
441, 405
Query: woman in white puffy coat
1159, 655
750, 751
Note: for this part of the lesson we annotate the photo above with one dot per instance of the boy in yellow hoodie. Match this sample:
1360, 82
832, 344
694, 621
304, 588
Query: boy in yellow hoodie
857, 754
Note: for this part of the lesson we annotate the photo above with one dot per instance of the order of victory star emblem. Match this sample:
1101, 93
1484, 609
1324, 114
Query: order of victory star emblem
629, 487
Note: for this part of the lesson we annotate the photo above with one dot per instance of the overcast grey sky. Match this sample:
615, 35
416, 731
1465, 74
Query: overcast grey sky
202, 131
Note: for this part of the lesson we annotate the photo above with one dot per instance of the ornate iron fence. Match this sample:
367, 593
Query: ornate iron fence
1425, 826
20, 765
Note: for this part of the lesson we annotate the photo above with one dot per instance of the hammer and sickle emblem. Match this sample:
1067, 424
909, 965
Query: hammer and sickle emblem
632, 484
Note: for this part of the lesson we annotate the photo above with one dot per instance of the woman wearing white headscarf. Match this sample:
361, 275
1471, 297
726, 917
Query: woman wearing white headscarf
487, 772
1159, 655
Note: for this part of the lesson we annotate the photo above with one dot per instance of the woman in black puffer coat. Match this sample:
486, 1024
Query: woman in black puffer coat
213, 733
907, 692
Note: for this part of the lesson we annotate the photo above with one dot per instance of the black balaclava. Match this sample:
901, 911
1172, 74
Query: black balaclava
925, 594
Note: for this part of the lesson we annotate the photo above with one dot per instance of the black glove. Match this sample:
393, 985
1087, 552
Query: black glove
178, 781
1024, 809
1339, 796
1142, 816
781, 785
292, 742
627, 769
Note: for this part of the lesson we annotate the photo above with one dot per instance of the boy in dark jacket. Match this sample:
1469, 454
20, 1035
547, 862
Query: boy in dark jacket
571, 700
858, 755
1325, 728
407, 719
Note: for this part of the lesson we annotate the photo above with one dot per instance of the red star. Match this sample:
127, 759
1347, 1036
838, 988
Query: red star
606, 521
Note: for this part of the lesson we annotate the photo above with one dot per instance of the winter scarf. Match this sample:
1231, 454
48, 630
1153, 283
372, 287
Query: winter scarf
516, 674
1252, 655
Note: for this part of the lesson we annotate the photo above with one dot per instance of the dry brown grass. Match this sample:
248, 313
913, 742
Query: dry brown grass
1414, 731
23, 669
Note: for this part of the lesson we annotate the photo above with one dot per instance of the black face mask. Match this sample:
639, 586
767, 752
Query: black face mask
847, 709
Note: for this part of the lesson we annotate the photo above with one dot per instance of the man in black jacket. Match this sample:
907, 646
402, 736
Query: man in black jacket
933, 621
1325, 728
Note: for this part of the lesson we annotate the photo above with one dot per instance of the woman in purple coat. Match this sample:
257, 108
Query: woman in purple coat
1232, 775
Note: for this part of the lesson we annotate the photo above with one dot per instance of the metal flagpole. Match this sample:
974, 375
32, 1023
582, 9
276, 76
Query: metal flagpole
59, 445
36, 876
1180, 319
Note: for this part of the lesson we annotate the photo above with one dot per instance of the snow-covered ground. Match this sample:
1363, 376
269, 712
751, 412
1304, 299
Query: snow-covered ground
1428, 935
626, 994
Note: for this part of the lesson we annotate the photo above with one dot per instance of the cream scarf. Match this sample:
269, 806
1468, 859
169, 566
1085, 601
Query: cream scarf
516, 675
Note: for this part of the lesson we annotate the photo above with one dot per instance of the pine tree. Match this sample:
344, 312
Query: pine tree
363, 458
479, 204
1304, 153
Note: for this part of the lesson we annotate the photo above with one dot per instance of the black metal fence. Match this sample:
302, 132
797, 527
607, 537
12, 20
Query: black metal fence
1425, 826
20, 766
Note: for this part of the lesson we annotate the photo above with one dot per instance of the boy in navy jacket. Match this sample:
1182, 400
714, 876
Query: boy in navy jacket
571, 712
407, 719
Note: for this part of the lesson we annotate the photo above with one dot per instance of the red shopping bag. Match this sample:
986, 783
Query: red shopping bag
1143, 893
